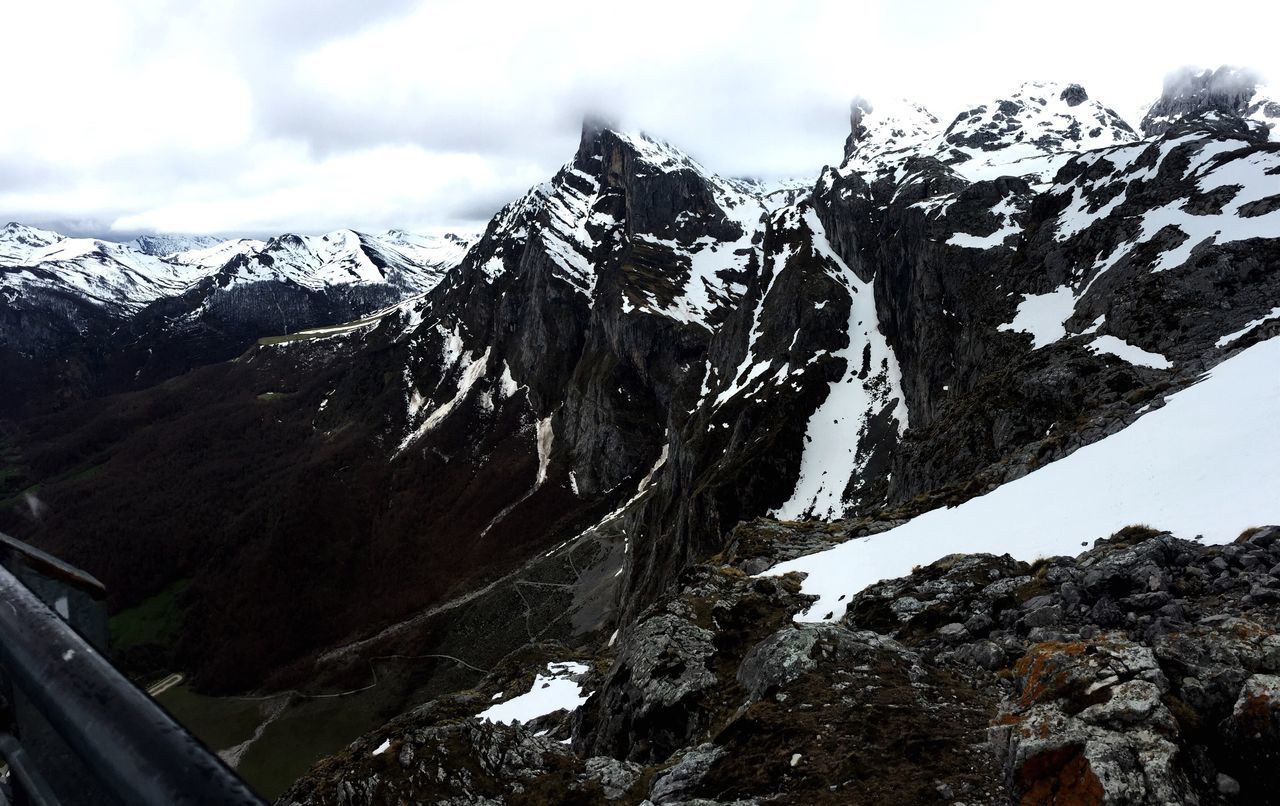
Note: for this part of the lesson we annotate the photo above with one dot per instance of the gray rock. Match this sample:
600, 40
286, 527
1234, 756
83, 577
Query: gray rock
789, 653
1043, 616
615, 777
676, 784
1228, 785
954, 633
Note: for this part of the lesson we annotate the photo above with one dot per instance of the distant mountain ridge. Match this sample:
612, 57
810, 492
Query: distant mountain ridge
117, 315
153, 266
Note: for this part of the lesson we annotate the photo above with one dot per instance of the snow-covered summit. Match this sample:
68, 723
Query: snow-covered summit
162, 244
18, 242
126, 276
219, 254
1031, 133
884, 134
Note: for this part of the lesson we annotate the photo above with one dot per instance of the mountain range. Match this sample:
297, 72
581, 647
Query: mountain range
81, 317
432, 462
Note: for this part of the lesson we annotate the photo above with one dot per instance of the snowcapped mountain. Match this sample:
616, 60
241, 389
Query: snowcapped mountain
171, 301
18, 241
218, 254
162, 244
133, 274
1028, 134
638, 355
111, 275
410, 263
883, 135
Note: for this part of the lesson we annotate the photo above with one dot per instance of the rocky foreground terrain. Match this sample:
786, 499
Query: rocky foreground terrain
1144, 670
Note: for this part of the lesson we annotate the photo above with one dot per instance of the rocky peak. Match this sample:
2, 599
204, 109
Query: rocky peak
882, 135
1073, 94
18, 242
1030, 132
1191, 91
590, 142
859, 108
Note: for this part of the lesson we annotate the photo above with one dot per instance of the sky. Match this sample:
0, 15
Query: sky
256, 117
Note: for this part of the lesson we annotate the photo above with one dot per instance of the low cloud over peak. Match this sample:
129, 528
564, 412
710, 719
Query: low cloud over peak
251, 117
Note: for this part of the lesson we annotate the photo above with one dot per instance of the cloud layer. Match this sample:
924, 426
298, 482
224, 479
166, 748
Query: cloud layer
251, 117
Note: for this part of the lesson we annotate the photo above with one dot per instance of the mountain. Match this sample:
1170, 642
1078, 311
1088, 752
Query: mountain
161, 244
1029, 134
1227, 90
84, 316
18, 241
535, 460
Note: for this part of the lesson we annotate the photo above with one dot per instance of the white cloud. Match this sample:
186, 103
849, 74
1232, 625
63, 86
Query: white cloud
244, 116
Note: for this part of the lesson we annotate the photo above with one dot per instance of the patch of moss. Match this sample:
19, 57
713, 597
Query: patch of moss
155, 620
1132, 535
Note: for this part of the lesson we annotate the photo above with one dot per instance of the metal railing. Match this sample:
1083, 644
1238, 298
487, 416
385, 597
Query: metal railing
73, 729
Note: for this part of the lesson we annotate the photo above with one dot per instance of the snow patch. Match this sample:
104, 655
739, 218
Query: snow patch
1004, 212
1203, 464
472, 373
506, 384
556, 690
1127, 352
546, 437
1044, 316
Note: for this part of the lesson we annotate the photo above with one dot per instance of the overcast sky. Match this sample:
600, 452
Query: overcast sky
262, 116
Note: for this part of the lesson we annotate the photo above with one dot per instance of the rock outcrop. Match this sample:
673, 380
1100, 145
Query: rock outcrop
1143, 671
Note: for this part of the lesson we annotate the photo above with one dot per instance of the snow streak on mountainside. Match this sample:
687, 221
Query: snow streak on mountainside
836, 440
1202, 466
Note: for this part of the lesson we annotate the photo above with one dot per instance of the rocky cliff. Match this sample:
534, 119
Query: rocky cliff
1227, 90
